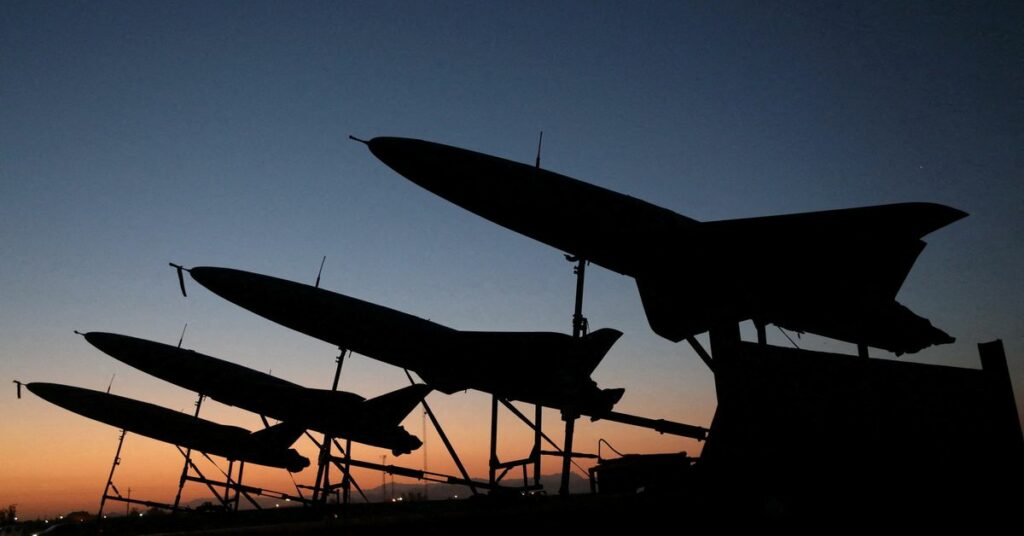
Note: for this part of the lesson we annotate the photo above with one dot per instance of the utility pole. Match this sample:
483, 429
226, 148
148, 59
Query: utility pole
579, 329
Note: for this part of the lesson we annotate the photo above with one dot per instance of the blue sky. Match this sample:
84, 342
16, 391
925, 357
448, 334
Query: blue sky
137, 133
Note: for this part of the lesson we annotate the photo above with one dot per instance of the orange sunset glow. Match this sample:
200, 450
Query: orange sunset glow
58, 476
799, 221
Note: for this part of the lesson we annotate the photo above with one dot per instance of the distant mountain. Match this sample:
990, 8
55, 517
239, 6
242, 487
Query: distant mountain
412, 491
437, 491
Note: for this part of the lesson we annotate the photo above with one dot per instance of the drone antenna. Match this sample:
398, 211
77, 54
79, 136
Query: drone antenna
322, 261
540, 140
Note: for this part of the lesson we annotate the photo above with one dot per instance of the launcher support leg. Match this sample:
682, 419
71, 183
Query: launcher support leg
238, 490
325, 491
570, 428
110, 478
444, 439
346, 482
579, 323
323, 470
227, 485
493, 460
322, 476
537, 434
188, 461
201, 478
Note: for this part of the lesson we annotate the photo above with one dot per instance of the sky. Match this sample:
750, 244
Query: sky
133, 134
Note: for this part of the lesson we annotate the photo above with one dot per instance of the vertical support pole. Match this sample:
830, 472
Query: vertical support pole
325, 491
537, 434
493, 460
321, 467
238, 489
110, 477
323, 471
227, 485
579, 329
570, 427
337, 372
762, 335
862, 350
579, 323
346, 482
188, 459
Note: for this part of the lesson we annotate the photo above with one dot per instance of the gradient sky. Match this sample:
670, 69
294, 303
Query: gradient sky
137, 133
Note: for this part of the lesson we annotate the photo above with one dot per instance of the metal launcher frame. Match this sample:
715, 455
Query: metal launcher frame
569, 415
231, 482
497, 470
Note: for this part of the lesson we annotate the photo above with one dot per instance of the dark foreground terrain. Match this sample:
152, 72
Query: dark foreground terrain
577, 514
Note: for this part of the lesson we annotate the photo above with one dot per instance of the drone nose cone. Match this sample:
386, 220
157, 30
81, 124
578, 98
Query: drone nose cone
102, 341
209, 275
55, 393
392, 149
425, 163
225, 282
381, 146
114, 344
129, 350
43, 390
264, 295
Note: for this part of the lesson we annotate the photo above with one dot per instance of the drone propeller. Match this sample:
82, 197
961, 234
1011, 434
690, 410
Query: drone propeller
181, 277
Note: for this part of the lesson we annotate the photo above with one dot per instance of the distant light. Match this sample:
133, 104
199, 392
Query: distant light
62, 517
140, 514
15, 518
456, 496
277, 505
104, 516
286, 499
